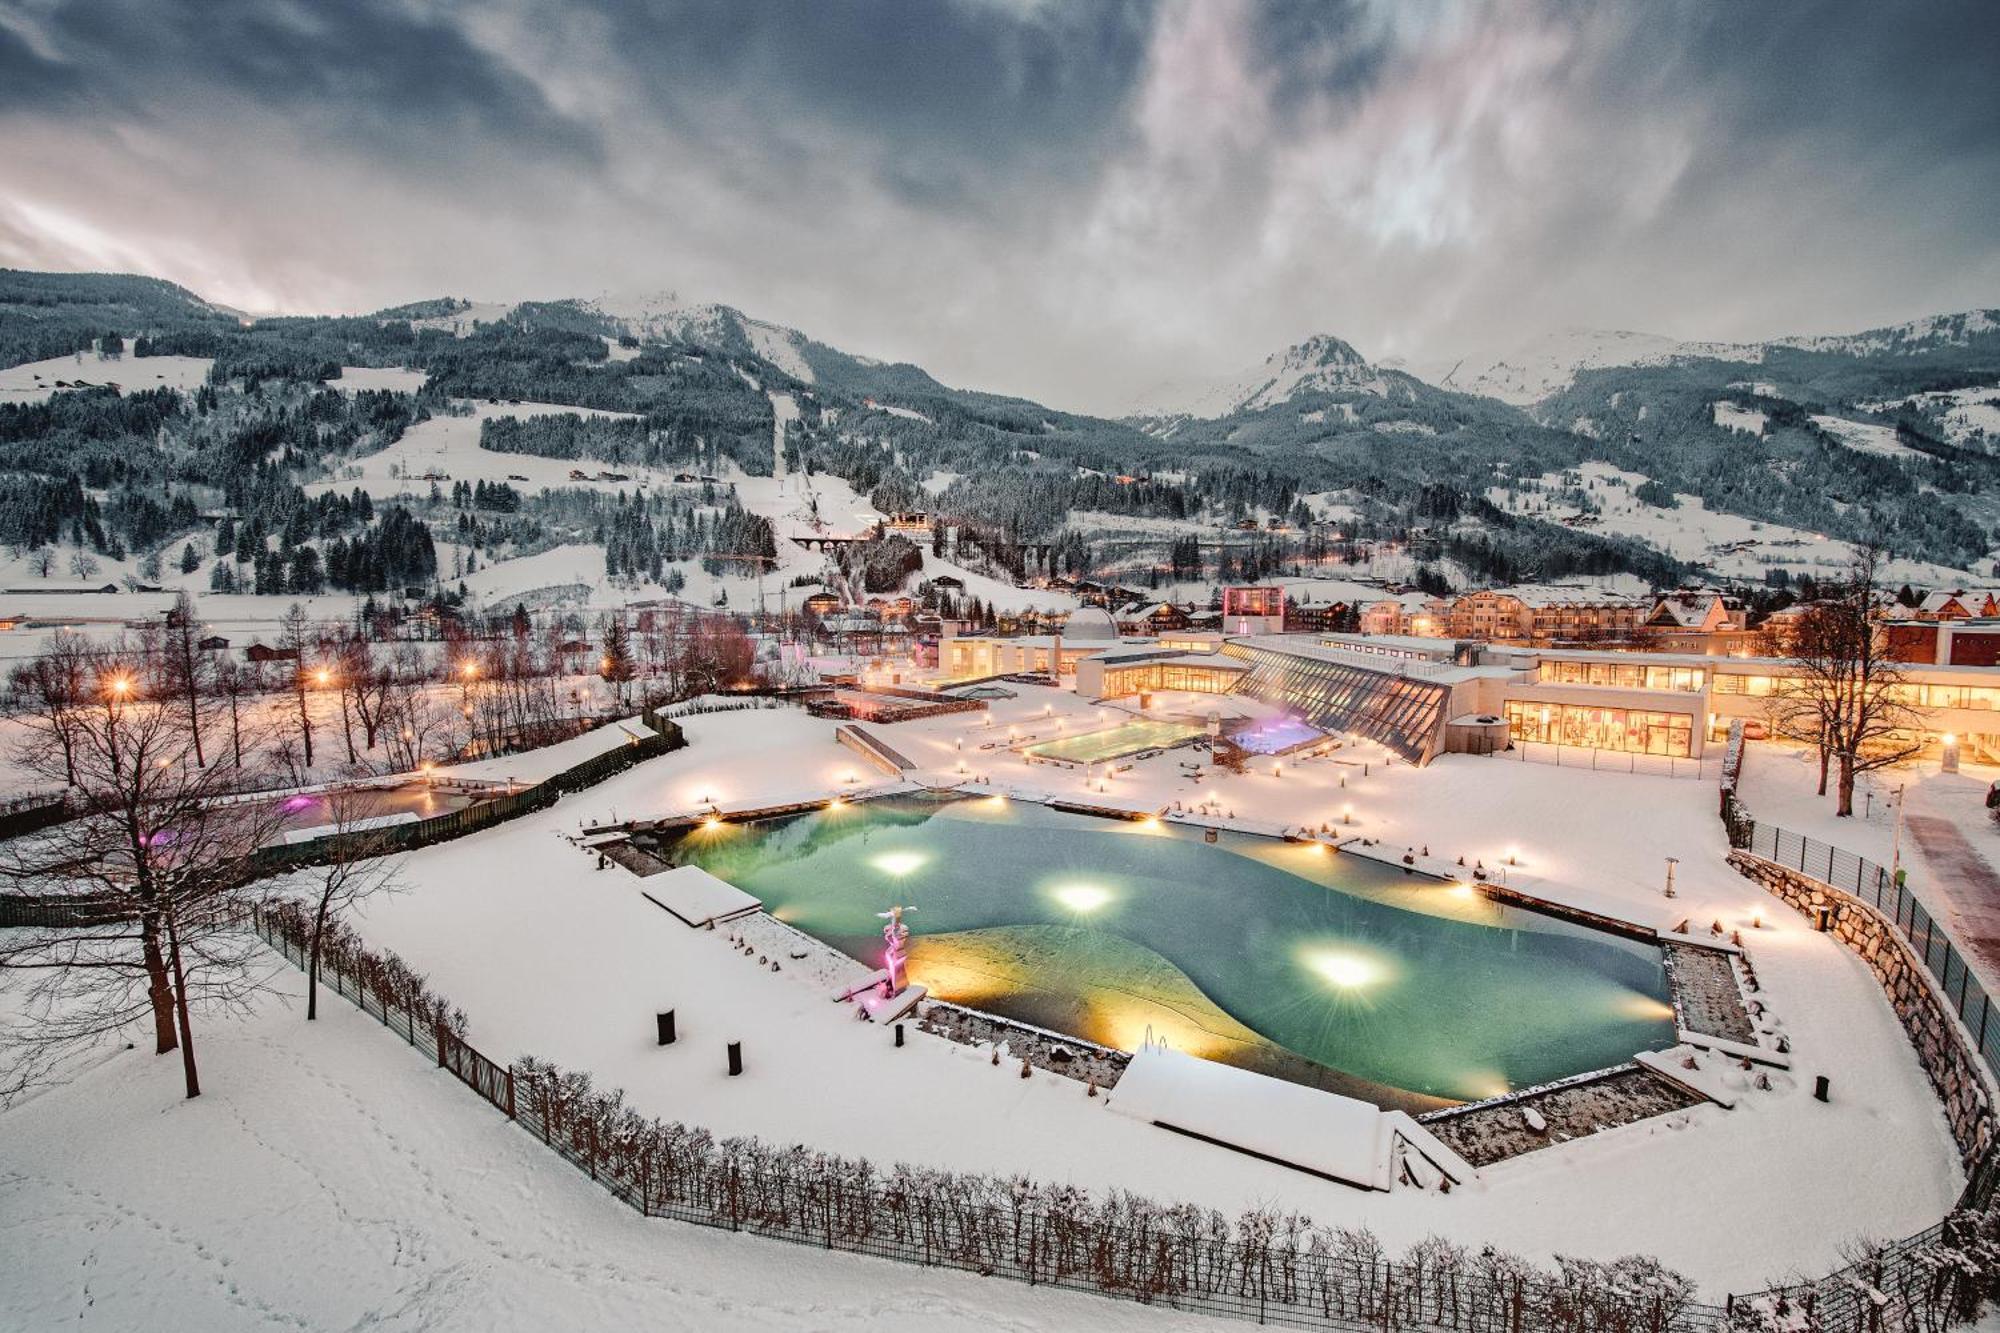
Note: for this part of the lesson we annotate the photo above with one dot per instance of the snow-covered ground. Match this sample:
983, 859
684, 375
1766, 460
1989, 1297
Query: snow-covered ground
1729, 416
331, 1177
396, 379
1779, 787
1731, 545
449, 448
1966, 416
36, 380
521, 901
1866, 437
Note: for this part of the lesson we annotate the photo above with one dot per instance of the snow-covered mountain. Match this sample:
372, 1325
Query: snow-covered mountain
1547, 364
666, 314
661, 314
1320, 364
1908, 339
1552, 362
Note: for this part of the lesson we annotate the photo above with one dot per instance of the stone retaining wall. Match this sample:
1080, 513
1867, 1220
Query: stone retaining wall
1943, 1046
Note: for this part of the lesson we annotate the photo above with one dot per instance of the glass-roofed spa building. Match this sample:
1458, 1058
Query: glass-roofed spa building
1422, 697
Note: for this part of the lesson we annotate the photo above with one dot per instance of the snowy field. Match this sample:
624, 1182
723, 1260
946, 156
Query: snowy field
1731, 417
1729, 544
36, 380
1866, 437
332, 1178
1966, 416
449, 447
522, 901
396, 379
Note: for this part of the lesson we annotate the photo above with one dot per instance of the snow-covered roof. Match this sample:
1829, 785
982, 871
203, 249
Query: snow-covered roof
1317, 1131
1543, 595
697, 897
1971, 600
1090, 624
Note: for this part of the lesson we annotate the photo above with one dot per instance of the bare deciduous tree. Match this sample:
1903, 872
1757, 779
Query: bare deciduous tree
1844, 693
54, 685
295, 634
153, 871
354, 866
185, 668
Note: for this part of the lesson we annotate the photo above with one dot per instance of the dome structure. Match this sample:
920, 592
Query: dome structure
1090, 624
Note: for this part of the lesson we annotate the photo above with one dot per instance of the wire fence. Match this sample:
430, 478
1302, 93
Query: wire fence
1610, 761
1890, 895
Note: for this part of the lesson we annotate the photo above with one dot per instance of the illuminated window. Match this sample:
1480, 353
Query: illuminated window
1633, 730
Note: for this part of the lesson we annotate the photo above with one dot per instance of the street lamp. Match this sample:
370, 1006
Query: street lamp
1672, 861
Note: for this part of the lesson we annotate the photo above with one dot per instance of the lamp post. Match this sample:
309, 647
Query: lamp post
116, 691
1896, 841
1672, 861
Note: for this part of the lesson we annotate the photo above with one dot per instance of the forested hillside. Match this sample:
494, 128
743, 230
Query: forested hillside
1853, 438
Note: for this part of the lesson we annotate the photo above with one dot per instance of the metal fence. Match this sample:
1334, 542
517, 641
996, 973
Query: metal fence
1891, 896
1610, 761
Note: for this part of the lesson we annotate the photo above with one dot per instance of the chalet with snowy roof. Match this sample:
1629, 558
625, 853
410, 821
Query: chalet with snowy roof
1319, 609
1149, 619
1959, 604
1697, 620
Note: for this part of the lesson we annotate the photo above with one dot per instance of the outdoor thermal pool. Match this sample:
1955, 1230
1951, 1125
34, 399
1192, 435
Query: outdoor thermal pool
1293, 959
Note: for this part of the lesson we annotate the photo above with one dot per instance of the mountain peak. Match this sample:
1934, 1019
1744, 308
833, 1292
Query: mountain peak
1321, 363
1321, 349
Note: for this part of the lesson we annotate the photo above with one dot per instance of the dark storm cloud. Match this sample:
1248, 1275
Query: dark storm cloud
371, 76
990, 84
1072, 200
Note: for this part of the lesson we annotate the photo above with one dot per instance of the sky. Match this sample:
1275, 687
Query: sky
1070, 201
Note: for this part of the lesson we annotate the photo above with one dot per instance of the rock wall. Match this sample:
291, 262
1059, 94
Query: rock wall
1943, 1046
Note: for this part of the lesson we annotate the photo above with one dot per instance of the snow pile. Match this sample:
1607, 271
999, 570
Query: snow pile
1320, 1131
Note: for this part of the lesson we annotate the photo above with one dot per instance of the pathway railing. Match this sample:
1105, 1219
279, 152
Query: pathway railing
1889, 894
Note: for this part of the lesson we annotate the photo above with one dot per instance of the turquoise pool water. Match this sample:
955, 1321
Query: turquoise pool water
1268, 954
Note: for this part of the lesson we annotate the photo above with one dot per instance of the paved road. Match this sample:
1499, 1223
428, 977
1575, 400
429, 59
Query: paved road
1964, 883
